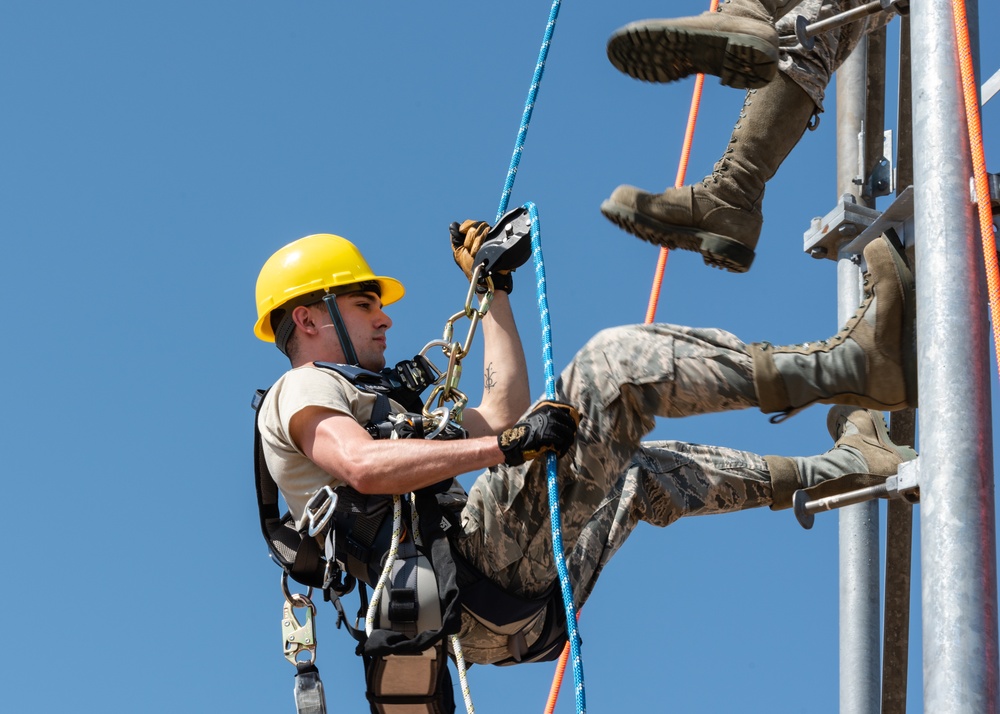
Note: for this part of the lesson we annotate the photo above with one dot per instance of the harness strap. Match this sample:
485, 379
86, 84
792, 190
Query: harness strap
298, 556
410, 683
309, 698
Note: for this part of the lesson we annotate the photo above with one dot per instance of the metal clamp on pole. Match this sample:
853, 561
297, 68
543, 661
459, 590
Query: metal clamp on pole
904, 485
846, 221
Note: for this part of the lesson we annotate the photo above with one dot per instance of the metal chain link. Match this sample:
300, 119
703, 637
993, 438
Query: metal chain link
446, 388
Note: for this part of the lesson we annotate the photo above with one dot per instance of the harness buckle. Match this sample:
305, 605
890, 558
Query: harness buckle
319, 510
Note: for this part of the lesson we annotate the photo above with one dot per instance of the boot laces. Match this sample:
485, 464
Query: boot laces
844, 332
722, 165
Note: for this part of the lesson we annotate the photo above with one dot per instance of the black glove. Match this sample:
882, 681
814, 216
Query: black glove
466, 240
549, 427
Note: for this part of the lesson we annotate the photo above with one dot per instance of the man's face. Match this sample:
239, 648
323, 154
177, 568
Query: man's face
366, 324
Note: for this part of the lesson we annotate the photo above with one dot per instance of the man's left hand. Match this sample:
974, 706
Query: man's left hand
548, 428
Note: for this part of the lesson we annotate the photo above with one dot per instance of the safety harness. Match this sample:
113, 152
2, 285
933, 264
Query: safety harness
404, 654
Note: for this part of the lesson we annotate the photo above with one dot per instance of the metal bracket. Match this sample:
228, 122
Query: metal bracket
845, 221
899, 212
879, 183
990, 87
904, 485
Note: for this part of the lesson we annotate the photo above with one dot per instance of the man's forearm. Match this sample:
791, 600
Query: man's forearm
506, 394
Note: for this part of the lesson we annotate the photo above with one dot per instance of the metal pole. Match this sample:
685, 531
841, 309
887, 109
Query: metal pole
859, 524
958, 529
902, 430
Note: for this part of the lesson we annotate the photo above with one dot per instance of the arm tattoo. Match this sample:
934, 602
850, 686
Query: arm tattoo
488, 381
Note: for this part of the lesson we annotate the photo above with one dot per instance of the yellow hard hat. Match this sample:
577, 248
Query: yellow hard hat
315, 264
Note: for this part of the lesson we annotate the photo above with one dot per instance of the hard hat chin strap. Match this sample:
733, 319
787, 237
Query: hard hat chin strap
283, 325
350, 356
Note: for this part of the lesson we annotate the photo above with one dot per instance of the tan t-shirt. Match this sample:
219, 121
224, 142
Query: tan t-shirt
297, 477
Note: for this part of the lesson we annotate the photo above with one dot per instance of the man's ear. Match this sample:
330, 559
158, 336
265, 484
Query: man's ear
302, 316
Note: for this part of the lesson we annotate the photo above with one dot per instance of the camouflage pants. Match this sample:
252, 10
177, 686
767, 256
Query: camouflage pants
611, 480
812, 69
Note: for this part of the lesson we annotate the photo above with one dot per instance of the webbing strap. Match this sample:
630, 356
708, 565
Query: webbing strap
309, 698
410, 684
299, 557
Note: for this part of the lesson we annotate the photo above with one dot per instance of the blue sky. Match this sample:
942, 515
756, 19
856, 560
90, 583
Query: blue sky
154, 156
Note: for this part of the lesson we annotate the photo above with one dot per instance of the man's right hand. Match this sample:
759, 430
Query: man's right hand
548, 428
466, 238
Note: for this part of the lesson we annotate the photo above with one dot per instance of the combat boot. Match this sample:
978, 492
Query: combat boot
738, 44
870, 363
721, 216
863, 456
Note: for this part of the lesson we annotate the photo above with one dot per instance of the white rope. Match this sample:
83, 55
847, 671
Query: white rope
456, 644
397, 519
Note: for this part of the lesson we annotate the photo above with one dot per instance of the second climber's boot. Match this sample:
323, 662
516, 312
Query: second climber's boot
863, 456
721, 216
870, 363
738, 44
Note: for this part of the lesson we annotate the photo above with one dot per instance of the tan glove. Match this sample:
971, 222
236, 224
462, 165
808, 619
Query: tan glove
465, 241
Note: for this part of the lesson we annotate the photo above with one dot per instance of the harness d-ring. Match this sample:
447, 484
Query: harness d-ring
295, 598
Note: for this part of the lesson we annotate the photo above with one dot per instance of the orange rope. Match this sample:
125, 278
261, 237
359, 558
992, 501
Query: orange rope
978, 165
654, 297
661, 263
550, 704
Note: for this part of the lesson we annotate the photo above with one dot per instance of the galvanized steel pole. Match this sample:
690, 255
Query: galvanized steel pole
958, 529
859, 524
902, 430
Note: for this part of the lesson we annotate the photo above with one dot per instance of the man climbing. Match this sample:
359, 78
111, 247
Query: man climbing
720, 217
320, 302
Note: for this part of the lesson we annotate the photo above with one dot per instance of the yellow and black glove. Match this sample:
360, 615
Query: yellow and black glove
550, 427
466, 240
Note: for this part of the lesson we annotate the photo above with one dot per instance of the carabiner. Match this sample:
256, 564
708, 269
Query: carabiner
297, 637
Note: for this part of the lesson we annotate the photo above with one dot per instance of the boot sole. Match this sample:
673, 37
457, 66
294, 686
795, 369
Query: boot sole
716, 250
667, 54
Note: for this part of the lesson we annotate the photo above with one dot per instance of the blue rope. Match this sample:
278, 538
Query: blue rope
529, 105
555, 514
550, 379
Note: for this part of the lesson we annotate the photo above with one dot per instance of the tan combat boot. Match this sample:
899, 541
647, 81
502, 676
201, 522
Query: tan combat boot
870, 363
863, 456
738, 44
721, 217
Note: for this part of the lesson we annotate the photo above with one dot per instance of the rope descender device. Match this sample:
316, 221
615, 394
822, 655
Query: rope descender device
507, 246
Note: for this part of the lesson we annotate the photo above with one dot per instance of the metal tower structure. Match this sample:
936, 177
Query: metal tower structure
933, 215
